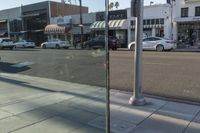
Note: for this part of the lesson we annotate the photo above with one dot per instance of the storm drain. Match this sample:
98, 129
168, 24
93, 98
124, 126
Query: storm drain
117, 126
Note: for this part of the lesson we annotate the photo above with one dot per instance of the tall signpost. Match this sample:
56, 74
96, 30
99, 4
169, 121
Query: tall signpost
137, 11
81, 22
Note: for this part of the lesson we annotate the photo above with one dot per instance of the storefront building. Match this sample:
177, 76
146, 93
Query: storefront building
87, 20
11, 23
186, 17
157, 22
118, 25
58, 28
36, 18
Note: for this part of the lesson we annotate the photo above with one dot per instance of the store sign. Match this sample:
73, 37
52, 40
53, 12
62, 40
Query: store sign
195, 19
113, 15
60, 20
188, 1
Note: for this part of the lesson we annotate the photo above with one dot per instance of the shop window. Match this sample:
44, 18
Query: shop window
132, 23
162, 21
148, 21
157, 21
152, 21
197, 11
184, 12
144, 22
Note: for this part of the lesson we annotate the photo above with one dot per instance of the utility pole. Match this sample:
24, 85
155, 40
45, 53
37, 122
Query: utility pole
81, 23
137, 11
107, 67
172, 26
8, 27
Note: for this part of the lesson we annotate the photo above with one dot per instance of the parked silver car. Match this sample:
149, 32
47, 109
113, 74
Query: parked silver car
7, 43
155, 43
55, 43
25, 44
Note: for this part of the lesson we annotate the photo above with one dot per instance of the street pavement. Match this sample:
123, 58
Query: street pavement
165, 74
31, 104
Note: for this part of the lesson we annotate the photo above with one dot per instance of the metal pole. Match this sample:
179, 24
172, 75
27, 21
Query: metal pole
81, 23
171, 19
138, 98
107, 67
8, 26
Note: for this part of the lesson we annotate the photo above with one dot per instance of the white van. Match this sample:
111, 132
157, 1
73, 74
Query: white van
7, 43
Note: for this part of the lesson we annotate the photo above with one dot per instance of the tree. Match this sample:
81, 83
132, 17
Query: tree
111, 5
116, 4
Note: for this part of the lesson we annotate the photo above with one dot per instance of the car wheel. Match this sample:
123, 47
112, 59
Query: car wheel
160, 48
13, 48
132, 47
44, 46
87, 47
57, 46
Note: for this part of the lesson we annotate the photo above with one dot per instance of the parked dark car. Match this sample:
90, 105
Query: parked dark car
99, 43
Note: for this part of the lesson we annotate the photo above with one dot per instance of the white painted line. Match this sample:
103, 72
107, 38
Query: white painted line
162, 64
23, 64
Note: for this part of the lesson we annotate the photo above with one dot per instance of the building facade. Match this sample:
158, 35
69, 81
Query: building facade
10, 23
36, 18
186, 22
118, 25
157, 21
29, 21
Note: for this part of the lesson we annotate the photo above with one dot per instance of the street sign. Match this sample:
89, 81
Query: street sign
134, 5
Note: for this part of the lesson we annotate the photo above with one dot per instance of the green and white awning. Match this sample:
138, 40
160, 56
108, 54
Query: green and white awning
113, 24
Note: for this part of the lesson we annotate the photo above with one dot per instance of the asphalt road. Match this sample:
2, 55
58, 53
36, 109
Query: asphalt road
80, 66
169, 74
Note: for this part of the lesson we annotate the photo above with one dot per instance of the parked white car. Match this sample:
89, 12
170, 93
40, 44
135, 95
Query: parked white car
25, 44
155, 43
55, 43
6, 43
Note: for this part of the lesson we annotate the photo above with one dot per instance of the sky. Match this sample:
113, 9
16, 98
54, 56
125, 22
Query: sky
94, 5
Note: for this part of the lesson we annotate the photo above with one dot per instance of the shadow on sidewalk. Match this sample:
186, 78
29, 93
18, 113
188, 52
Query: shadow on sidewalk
7, 68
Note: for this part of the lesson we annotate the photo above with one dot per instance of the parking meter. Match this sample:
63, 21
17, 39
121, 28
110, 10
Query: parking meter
134, 8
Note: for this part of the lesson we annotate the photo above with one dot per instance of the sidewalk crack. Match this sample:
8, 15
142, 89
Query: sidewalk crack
191, 122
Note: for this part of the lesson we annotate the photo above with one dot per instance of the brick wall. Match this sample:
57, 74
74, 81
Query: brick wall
59, 9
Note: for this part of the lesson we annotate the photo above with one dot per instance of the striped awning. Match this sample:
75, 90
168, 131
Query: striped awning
56, 29
98, 25
113, 24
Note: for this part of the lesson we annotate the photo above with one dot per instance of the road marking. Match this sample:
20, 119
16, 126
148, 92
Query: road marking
162, 64
23, 64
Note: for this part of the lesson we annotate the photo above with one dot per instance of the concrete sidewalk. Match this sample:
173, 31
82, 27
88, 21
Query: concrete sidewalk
38, 105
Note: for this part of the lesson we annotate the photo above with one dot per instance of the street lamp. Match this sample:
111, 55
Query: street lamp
81, 22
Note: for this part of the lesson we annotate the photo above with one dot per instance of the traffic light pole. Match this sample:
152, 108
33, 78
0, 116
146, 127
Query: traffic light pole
137, 11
